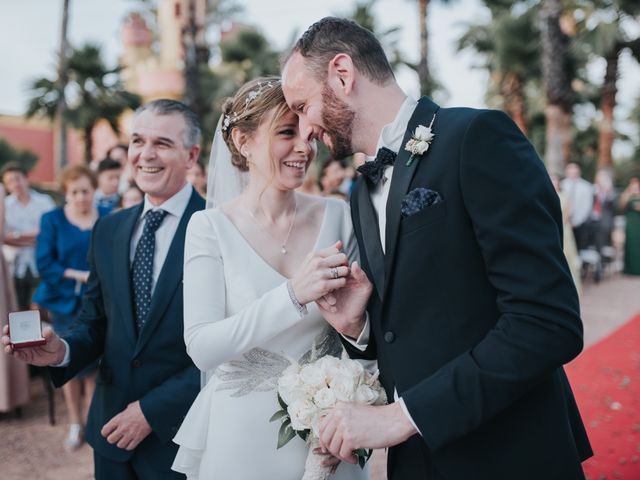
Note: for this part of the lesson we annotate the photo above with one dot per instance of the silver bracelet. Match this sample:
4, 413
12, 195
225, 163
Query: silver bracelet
302, 309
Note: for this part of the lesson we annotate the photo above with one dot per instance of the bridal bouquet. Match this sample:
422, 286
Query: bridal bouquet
306, 392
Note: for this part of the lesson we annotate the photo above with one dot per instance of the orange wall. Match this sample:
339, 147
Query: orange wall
31, 136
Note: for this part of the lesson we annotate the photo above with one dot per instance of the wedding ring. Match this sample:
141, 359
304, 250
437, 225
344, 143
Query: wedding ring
334, 272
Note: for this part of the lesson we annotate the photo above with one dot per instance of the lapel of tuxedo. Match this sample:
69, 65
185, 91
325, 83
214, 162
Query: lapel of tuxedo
370, 235
122, 280
401, 179
170, 275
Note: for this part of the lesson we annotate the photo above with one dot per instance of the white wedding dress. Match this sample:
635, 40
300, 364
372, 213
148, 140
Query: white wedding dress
242, 330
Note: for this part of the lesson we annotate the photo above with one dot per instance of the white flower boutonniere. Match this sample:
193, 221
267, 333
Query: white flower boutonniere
420, 141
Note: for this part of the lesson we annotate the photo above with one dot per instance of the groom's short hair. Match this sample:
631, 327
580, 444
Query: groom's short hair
332, 35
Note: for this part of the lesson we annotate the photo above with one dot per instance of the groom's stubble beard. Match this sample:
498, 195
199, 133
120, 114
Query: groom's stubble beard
337, 117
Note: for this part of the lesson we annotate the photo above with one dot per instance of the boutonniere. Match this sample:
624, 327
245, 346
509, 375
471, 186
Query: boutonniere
420, 141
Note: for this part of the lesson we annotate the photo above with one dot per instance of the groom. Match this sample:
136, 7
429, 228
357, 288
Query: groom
473, 311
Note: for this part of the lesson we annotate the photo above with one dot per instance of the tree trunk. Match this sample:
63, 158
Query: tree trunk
423, 66
88, 142
514, 100
557, 87
61, 107
192, 93
608, 103
558, 133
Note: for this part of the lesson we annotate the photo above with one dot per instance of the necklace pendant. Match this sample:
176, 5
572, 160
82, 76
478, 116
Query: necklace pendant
283, 250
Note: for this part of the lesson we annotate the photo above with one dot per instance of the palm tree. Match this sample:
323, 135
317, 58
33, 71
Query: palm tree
508, 45
61, 106
427, 81
608, 39
556, 74
94, 92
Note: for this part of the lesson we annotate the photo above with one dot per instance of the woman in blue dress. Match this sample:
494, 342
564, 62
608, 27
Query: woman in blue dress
61, 256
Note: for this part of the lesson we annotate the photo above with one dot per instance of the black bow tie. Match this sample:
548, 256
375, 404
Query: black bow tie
374, 170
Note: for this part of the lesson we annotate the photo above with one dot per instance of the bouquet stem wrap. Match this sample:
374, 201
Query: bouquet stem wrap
313, 468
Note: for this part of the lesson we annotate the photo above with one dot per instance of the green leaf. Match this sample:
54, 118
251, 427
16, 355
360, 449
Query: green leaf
281, 402
303, 434
363, 456
278, 415
285, 434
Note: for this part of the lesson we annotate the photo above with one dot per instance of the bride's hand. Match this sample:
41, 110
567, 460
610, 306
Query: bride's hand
322, 272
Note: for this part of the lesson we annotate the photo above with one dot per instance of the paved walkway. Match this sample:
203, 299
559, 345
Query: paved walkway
31, 448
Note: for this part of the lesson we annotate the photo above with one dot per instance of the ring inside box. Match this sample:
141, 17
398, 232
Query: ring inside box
25, 329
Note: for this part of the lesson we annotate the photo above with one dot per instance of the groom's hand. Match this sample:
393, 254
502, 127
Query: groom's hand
128, 428
344, 308
350, 426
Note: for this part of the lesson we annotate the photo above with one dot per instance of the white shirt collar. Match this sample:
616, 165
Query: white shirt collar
392, 133
175, 205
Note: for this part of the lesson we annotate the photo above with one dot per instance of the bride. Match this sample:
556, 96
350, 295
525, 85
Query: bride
254, 266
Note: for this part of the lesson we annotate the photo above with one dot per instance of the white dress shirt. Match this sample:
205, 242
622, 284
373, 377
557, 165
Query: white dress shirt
20, 218
175, 208
579, 194
391, 138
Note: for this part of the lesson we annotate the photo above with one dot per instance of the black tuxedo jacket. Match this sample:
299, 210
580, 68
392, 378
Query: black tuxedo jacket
474, 311
151, 366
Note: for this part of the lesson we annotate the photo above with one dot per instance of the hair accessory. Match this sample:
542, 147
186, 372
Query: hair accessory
231, 118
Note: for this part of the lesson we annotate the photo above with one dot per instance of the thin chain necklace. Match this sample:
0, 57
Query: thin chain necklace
283, 245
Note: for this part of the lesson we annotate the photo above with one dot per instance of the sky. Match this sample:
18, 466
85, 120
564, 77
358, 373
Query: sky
29, 31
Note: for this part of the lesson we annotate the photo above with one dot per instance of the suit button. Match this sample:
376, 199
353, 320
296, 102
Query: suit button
389, 336
136, 363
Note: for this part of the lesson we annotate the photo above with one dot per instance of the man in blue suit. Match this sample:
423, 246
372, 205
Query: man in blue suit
132, 309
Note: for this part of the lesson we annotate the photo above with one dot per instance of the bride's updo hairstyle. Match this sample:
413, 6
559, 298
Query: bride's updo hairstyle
248, 109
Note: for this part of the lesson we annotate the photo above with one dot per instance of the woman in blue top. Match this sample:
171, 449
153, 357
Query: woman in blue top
61, 256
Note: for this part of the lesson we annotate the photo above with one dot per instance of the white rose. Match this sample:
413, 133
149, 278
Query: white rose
352, 369
302, 412
343, 387
382, 396
329, 365
423, 133
313, 378
366, 394
421, 146
324, 398
290, 387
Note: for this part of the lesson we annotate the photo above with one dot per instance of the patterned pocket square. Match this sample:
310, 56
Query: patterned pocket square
418, 199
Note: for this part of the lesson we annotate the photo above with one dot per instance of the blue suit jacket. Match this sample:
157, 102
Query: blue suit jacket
152, 367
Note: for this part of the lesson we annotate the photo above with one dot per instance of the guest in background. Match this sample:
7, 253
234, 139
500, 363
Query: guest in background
600, 223
61, 254
120, 153
310, 183
579, 194
332, 175
568, 240
131, 197
197, 177
14, 375
23, 209
107, 196
630, 205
